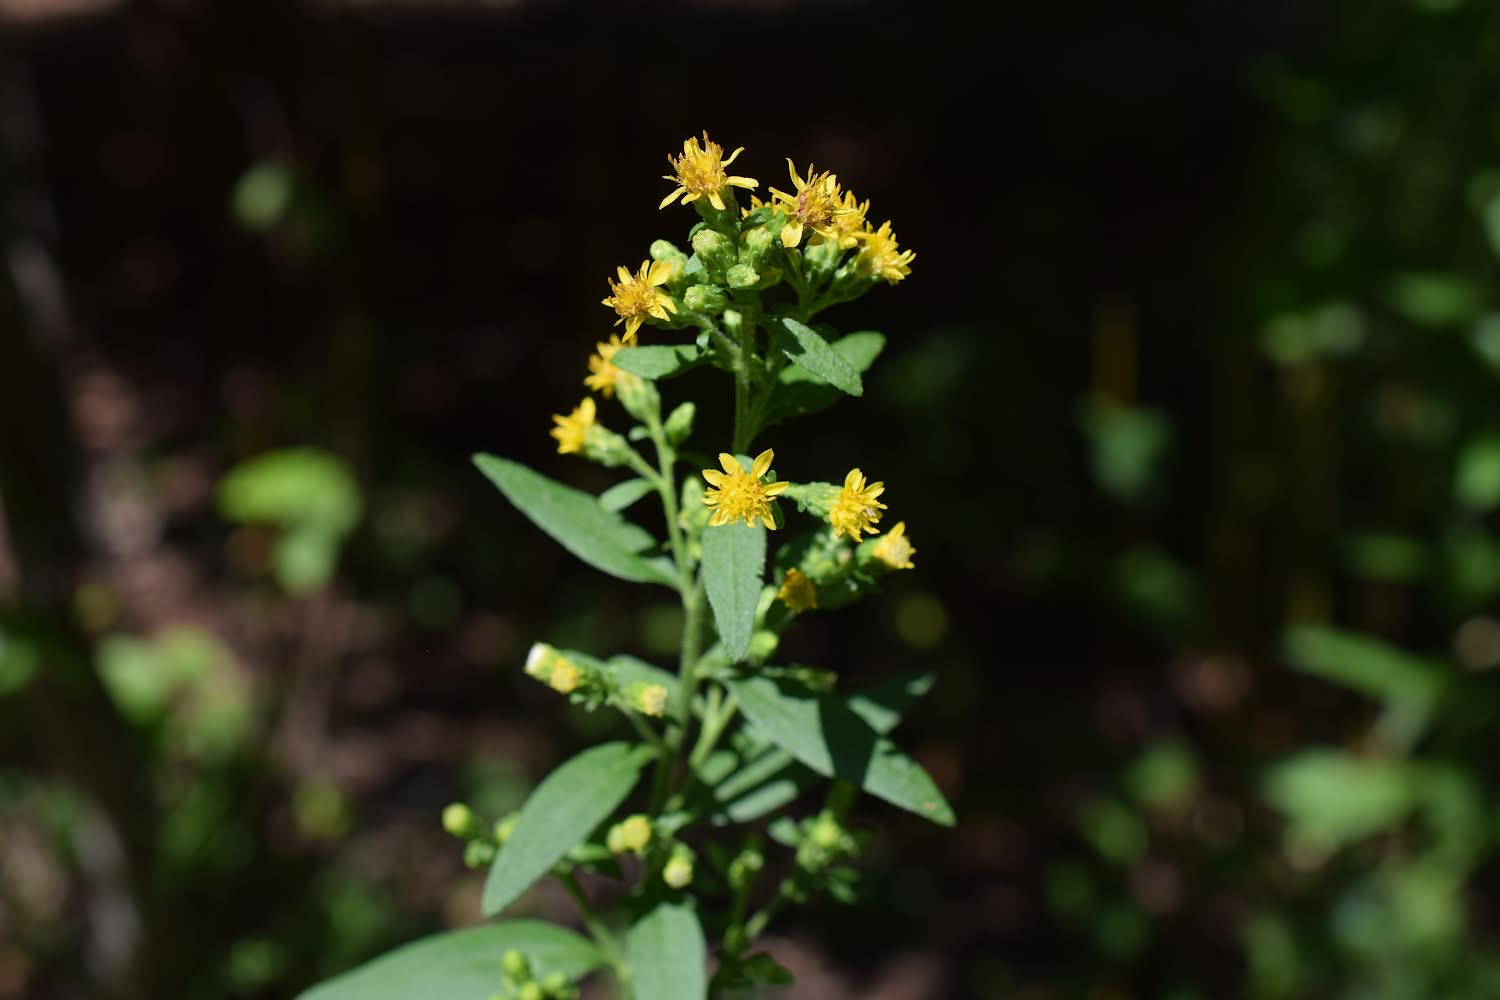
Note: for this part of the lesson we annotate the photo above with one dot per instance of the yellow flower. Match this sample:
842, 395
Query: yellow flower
572, 429
636, 296
648, 699
678, 872
797, 591
879, 256
813, 205
605, 375
848, 222
856, 508
700, 173
894, 549
739, 495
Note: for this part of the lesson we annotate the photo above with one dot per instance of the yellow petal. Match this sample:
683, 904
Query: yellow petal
791, 233
631, 325
743, 182
775, 489
671, 197
714, 476
660, 273
624, 274
768, 520
853, 479
730, 159
791, 168
715, 200
730, 464
762, 463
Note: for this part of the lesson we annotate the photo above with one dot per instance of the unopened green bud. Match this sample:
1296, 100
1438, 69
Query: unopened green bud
648, 699
602, 445
458, 820
679, 871
826, 832
478, 853
744, 868
756, 247
531, 991
505, 826
667, 250
742, 276
556, 984
515, 965
638, 396
714, 250
762, 645
705, 299
680, 423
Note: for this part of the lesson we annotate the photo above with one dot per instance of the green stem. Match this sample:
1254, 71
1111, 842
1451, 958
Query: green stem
601, 934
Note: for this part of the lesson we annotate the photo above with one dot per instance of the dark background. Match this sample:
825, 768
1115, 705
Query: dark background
1120, 410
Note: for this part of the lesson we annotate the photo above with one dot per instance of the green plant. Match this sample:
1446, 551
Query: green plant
730, 737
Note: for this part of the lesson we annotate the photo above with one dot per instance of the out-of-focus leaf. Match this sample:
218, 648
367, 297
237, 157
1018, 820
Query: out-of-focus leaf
294, 487
1391, 558
1477, 482
20, 657
1436, 299
1128, 445
667, 954
1409, 686
1332, 799
622, 495
563, 810
575, 519
658, 361
463, 964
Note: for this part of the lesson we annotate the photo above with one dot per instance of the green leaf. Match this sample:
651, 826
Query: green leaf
577, 521
629, 670
294, 487
1333, 799
668, 955
622, 495
734, 566
462, 964
807, 349
828, 736
883, 705
799, 392
1410, 687
563, 810
657, 362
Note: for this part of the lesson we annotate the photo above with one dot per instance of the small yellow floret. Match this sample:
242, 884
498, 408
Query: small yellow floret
636, 296
797, 591
604, 374
739, 495
572, 429
678, 872
879, 256
651, 700
856, 508
699, 173
815, 204
894, 548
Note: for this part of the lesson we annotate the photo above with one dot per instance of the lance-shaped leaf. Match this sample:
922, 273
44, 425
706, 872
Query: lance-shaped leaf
806, 348
563, 810
798, 392
828, 736
576, 520
461, 965
734, 567
623, 494
658, 361
667, 954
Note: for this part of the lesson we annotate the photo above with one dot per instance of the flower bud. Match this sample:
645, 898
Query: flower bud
515, 965
648, 699
504, 826
680, 423
714, 250
631, 834
886, 553
638, 396
756, 247
557, 986
826, 832
531, 991
458, 820
762, 645
667, 250
741, 276
565, 677
478, 853
679, 870
744, 868
602, 445
705, 299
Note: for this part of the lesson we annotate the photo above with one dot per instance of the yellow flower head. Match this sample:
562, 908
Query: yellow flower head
565, 677
848, 221
894, 549
636, 296
574, 428
739, 495
648, 699
797, 591
856, 508
699, 173
630, 834
605, 375
813, 205
879, 256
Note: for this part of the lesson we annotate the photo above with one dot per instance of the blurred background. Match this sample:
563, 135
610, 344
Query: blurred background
1189, 405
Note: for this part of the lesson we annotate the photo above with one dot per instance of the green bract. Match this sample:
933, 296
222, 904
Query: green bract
735, 745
